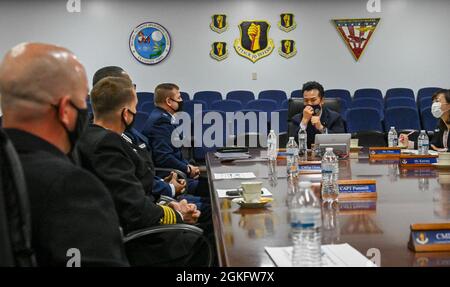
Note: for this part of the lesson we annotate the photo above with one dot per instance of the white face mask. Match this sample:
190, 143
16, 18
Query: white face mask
436, 110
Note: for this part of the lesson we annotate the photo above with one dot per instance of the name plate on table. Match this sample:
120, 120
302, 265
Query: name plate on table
430, 237
365, 206
357, 189
384, 152
417, 160
310, 167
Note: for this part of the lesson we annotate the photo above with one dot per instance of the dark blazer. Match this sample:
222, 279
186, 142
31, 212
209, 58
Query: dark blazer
127, 176
158, 130
70, 208
438, 136
329, 119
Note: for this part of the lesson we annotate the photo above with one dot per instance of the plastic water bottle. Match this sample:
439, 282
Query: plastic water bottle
302, 145
392, 138
272, 146
292, 157
306, 224
423, 143
330, 173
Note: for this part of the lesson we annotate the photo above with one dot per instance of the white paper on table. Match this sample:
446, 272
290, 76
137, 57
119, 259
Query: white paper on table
242, 175
416, 152
222, 193
338, 255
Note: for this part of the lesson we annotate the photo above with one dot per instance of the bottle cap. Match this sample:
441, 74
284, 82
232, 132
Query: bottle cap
329, 149
291, 138
272, 131
392, 128
305, 184
422, 131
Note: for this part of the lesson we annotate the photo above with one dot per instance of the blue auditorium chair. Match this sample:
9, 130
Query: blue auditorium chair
185, 96
139, 122
264, 105
277, 95
147, 107
285, 104
429, 122
189, 106
283, 120
399, 93
208, 97
342, 94
243, 96
296, 94
424, 102
219, 134
368, 93
402, 118
426, 92
363, 119
144, 97
369, 103
401, 102
226, 106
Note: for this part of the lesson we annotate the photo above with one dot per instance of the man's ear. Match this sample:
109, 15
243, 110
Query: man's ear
63, 111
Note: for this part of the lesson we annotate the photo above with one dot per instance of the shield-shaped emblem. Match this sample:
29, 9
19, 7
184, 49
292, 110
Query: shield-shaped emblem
254, 42
219, 51
287, 22
287, 49
219, 23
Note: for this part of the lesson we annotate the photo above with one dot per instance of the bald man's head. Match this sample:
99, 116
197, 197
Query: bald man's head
34, 76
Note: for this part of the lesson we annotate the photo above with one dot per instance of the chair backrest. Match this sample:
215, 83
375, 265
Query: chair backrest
218, 135
277, 95
401, 102
429, 122
342, 94
144, 97
368, 93
282, 119
226, 106
147, 107
243, 96
208, 97
368, 103
363, 119
426, 92
399, 93
401, 118
189, 107
296, 94
285, 104
370, 138
141, 119
424, 102
264, 105
15, 213
185, 96
296, 106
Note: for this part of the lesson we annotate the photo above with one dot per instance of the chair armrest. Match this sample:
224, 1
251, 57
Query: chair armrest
169, 170
161, 229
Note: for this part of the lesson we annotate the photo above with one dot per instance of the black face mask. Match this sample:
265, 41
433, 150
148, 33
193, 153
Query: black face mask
316, 108
180, 105
80, 125
130, 125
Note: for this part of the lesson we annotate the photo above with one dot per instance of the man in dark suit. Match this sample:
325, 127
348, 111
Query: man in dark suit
124, 169
44, 90
160, 128
317, 119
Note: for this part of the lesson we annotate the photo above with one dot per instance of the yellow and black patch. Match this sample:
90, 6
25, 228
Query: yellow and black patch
219, 51
254, 42
287, 49
219, 23
287, 22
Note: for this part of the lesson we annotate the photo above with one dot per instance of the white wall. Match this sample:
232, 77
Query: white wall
411, 47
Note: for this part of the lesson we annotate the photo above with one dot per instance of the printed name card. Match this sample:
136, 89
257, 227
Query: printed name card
384, 152
430, 237
364, 206
407, 160
310, 167
357, 189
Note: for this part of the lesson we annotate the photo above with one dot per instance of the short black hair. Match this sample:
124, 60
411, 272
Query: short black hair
110, 71
309, 86
442, 91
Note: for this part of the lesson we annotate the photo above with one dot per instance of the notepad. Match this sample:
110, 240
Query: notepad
236, 175
222, 193
338, 255
232, 155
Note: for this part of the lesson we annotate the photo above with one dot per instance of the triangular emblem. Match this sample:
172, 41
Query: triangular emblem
356, 33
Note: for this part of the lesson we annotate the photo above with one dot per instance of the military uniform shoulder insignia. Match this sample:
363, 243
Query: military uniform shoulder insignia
125, 137
254, 42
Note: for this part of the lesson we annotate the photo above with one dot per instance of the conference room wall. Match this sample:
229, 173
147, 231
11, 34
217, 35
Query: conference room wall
409, 49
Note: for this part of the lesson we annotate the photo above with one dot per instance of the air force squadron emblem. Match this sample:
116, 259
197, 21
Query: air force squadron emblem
219, 51
254, 43
287, 22
219, 23
287, 49
150, 43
